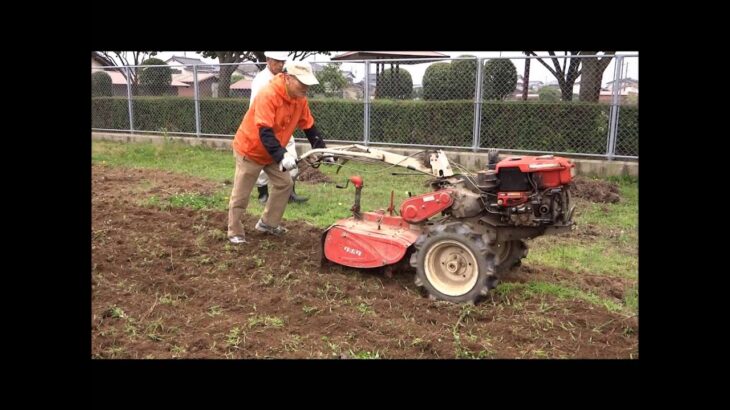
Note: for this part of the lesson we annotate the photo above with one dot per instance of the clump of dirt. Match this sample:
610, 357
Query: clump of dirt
310, 175
595, 190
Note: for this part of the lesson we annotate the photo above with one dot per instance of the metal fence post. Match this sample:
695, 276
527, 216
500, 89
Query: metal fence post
366, 125
129, 101
197, 102
613, 118
477, 108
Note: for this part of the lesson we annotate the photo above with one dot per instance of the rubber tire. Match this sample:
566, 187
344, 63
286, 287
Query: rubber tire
461, 233
513, 259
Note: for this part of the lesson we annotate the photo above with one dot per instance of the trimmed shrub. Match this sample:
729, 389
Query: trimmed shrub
500, 79
101, 84
155, 80
394, 85
463, 75
436, 82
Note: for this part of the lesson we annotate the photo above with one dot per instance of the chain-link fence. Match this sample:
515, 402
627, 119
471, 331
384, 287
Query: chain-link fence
584, 105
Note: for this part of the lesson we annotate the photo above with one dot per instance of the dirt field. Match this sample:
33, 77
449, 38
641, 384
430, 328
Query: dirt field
167, 284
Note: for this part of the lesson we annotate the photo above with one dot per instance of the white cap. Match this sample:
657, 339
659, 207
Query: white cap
277, 55
302, 70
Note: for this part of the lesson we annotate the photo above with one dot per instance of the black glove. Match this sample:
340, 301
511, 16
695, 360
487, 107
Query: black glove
315, 138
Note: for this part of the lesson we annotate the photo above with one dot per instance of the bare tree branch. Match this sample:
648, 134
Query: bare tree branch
258, 57
565, 74
121, 58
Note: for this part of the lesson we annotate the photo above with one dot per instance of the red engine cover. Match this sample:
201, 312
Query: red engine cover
421, 207
551, 171
376, 240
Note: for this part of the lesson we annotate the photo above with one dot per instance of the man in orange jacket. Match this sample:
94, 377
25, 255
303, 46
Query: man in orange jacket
269, 123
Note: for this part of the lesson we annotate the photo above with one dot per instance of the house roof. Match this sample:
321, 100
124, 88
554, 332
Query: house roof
119, 78
625, 80
241, 85
202, 66
248, 68
101, 59
368, 55
184, 60
177, 83
188, 77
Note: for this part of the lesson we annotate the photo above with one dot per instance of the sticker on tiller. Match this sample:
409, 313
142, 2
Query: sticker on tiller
357, 252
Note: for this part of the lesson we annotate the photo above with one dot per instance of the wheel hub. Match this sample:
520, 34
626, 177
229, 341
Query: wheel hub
451, 267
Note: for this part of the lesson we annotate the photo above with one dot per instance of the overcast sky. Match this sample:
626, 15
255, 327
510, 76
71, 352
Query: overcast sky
537, 71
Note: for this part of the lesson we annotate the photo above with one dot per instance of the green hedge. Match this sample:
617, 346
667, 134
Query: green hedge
172, 114
447, 123
221, 115
110, 113
337, 119
627, 140
562, 127
540, 126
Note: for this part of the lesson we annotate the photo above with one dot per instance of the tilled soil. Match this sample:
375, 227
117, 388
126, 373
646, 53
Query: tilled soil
166, 283
595, 190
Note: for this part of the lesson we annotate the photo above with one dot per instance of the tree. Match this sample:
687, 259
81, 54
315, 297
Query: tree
591, 75
565, 74
233, 57
397, 85
526, 80
225, 72
101, 84
331, 81
462, 76
301, 55
436, 82
549, 94
500, 79
571, 70
155, 80
122, 58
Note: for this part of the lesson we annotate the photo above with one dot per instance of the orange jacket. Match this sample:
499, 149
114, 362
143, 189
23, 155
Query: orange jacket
272, 108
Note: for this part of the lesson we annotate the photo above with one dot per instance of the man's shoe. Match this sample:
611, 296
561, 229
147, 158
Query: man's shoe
263, 194
237, 239
296, 198
293, 197
272, 230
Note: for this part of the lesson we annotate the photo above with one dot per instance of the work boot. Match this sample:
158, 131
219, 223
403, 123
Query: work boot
293, 197
263, 194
